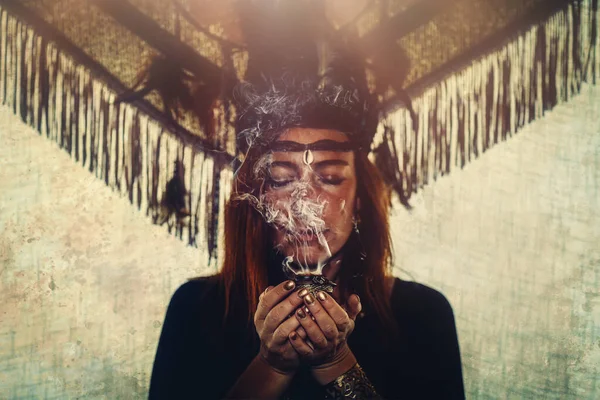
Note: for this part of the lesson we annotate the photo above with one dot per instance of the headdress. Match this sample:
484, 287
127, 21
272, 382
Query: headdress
302, 74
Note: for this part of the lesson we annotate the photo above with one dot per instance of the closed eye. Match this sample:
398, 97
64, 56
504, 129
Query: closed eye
331, 179
278, 183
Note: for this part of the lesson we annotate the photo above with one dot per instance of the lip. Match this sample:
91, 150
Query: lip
307, 237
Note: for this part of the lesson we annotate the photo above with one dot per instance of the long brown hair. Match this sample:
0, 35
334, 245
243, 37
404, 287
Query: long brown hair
244, 274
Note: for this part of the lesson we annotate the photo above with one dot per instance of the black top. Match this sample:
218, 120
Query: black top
197, 359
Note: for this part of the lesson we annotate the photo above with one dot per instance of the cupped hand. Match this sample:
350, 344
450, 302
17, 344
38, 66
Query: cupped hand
273, 326
322, 341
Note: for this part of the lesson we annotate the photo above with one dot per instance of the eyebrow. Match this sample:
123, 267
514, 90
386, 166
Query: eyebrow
317, 165
329, 163
284, 164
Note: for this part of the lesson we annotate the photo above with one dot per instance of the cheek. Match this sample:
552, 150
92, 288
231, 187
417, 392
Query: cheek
340, 209
277, 201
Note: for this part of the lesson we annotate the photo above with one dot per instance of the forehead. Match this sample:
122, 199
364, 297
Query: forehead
309, 135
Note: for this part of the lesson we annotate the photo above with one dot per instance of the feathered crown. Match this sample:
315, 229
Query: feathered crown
300, 73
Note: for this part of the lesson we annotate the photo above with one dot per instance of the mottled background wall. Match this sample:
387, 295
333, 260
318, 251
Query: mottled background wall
513, 240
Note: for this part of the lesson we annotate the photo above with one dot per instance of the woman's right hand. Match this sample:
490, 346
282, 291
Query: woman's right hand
273, 326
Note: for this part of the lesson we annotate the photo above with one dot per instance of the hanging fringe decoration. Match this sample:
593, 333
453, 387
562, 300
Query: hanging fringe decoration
469, 111
181, 186
173, 182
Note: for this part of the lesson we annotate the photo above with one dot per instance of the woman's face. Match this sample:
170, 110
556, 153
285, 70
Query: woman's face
310, 194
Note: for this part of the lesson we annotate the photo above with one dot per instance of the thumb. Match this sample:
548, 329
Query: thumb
354, 306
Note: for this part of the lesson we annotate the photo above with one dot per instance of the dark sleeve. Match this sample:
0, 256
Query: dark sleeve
187, 364
446, 369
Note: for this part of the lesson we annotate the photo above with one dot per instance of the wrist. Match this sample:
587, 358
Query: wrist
260, 381
326, 373
352, 384
261, 359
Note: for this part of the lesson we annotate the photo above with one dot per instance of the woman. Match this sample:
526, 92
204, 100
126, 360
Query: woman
307, 201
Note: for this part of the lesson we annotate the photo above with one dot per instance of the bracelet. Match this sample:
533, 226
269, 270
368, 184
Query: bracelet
352, 384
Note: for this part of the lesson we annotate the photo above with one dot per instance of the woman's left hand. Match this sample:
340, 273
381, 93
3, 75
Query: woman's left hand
323, 341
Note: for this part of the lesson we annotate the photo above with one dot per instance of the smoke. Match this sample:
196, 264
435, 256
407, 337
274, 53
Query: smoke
295, 212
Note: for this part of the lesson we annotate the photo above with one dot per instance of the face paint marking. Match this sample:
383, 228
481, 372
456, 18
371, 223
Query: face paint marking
319, 145
308, 158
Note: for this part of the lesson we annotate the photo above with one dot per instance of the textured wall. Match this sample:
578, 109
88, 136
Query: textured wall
512, 240
85, 278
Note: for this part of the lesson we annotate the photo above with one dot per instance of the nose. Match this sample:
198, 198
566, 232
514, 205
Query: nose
306, 199
312, 191
306, 190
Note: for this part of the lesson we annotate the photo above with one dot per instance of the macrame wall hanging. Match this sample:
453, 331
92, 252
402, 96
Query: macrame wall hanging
466, 95
170, 179
542, 61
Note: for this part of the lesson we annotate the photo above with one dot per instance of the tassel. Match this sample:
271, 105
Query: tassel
136, 161
15, 49
22, 48
44, 88
197, 169
3, 54
592, 55
117, 148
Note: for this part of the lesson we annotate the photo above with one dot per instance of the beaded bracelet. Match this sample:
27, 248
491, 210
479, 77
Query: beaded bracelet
352, 384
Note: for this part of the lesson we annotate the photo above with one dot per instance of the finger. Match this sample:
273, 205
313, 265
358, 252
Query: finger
339, 316
354, 306
271, 298
265, 291
280, 336
300, 345
301, 332
307, 311
281, 311
322, 317
314, 333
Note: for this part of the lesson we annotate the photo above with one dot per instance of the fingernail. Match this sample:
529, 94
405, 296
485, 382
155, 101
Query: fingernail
306, 310
289, 285
301, 313
358, 298
293, 335
267, 289
309, 299
303, 293
322, 296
